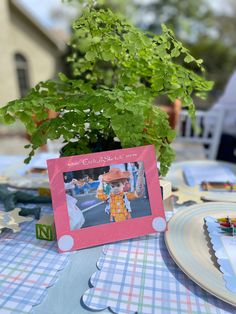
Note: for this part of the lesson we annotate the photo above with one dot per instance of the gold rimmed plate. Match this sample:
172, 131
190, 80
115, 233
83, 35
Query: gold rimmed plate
188, 245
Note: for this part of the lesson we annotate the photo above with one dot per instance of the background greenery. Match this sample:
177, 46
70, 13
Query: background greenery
206, 27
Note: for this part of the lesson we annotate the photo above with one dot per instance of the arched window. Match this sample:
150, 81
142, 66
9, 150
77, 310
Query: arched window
22, 72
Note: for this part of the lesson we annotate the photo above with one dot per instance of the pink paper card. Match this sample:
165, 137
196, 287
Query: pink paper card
105, 197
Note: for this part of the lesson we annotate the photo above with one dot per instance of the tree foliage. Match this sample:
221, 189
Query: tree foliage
208, 32
116, 103
189, 19
219, 61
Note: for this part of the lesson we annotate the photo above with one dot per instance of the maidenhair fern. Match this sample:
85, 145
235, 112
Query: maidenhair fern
119, 71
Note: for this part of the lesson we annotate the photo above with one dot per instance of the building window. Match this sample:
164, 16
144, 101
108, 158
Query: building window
22, 72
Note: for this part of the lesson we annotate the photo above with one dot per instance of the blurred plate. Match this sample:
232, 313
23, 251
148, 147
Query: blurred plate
29, 181
189, 247
219, 197
34, 175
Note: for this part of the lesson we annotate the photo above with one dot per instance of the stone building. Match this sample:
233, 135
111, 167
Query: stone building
28, 52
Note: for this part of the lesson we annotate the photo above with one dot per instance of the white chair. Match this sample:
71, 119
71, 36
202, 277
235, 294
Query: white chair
207, 131
55, 145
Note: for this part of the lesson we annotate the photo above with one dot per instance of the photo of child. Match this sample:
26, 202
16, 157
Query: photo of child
106, 194
118, 206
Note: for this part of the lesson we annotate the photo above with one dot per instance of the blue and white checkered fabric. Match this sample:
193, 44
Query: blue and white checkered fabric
28, 266
139, 276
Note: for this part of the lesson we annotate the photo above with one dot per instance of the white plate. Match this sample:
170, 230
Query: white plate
188, 245
30, 181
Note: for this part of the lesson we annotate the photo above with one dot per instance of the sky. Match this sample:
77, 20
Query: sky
41, 10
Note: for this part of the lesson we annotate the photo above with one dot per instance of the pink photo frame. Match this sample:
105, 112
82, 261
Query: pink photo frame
147, 218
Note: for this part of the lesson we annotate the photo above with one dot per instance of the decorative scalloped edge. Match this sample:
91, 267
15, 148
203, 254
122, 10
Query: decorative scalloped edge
53, 280
52, 283
93, 282
215, 235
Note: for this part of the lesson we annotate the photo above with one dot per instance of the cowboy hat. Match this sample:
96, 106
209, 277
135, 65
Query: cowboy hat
115, 174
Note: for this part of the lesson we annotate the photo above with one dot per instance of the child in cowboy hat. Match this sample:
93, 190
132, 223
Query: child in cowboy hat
118, 200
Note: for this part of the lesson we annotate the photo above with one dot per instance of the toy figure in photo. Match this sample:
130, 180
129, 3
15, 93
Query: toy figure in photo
118, 201
75, 214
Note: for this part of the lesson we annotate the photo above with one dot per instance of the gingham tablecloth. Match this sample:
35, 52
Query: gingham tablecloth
27, 268
139, 276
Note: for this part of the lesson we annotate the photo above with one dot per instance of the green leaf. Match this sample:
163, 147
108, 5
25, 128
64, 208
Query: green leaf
175, 52
63, 77
188, 59
90, 55
24, 117
171, 134
107, 55
8, 119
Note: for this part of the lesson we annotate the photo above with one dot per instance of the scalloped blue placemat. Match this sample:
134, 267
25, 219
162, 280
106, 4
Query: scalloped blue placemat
28, 267
139, 276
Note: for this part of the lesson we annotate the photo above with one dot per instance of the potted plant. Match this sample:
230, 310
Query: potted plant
119, 71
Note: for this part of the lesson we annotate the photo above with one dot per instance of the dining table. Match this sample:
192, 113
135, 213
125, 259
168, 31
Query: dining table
35, 278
